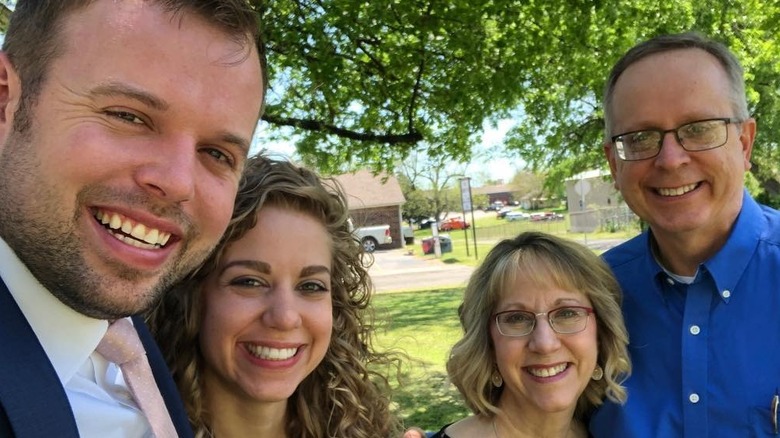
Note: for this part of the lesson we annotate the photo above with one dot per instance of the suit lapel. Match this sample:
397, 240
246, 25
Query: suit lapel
31, 394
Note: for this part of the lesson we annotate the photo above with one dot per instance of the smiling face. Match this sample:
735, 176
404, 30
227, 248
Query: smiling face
268, 309
680, 191
544, 372
127, 174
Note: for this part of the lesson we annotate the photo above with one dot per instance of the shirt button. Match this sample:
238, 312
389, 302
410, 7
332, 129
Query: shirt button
669, 280
693, 398
726, 293
695, 330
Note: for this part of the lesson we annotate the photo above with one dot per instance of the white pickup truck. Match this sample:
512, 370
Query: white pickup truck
371, 237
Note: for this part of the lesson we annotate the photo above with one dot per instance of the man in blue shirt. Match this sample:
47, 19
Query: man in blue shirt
702, 285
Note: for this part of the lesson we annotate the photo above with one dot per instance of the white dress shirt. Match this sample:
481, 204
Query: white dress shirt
101, 402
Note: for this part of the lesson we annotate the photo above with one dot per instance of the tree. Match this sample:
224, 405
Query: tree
417, 206
528, 183
5, 15
364, 83
434, 179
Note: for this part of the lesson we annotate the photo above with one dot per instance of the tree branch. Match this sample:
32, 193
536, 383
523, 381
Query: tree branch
410, 137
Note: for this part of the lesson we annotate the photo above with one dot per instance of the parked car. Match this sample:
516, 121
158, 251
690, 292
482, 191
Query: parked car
426, 223
496, 206
453, 223
372, 236
546, 216
503, 212
517, 216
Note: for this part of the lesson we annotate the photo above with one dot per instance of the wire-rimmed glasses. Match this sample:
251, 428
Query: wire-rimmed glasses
563, 320
700, 135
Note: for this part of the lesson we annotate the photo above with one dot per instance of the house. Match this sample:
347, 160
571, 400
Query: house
503, 193
594, 201
536, 201
374, 200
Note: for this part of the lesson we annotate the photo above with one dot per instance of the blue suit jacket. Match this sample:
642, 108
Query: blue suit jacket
33, 402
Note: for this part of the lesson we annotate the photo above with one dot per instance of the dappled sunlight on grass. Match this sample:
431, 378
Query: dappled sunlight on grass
424, 325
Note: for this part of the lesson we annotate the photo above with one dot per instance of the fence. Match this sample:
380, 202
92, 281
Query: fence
513, 228
609, 219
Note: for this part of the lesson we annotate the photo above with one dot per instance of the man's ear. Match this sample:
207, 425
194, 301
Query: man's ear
747, 133
10, 94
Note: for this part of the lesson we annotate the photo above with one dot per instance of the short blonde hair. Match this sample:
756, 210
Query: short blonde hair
542, 258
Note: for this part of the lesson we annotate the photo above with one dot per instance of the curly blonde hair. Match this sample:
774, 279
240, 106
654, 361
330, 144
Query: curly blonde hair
346, 395
542, 258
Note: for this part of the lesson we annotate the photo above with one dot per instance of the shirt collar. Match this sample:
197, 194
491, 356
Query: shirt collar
67, 337
728, 264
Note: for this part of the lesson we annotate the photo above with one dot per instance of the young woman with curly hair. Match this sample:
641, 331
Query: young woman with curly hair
272, 336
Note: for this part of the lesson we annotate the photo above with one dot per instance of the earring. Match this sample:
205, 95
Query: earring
496, 379
598, 373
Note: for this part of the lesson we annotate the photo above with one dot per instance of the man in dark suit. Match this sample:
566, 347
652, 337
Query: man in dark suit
124, 127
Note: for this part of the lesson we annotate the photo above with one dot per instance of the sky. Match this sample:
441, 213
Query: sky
497, 167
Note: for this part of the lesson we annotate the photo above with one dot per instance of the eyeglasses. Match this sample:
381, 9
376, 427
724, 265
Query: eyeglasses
563, 320
696, 136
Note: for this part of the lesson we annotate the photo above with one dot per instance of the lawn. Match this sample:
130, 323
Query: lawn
424, 325
490, 230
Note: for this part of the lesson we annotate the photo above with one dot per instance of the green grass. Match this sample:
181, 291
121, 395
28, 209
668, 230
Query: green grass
424, 325
490, 230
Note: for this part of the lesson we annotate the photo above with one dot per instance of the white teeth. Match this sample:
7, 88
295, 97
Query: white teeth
676, 191
151, 236
269, 353
139, 231
132, 242
142, 236
116, 222
547, 372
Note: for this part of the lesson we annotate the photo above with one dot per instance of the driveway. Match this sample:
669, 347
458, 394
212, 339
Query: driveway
395, 270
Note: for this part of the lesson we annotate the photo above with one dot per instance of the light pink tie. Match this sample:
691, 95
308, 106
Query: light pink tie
122, 346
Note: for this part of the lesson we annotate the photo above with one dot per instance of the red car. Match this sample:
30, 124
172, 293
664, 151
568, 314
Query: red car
453, 223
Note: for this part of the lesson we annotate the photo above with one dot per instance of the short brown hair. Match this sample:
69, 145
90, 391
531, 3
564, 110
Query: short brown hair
666, 43
33, 40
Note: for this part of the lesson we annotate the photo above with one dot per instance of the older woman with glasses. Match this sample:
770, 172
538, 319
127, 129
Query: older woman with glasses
544, 341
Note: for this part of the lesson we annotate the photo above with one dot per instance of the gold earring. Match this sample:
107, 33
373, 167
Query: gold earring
496, 378
598, 373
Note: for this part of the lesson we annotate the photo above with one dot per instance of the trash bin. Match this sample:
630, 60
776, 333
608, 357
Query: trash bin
444, 242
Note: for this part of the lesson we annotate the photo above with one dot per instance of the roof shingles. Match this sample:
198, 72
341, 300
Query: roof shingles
364, 190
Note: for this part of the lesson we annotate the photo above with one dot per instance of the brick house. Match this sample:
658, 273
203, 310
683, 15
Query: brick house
373, 201
504, 193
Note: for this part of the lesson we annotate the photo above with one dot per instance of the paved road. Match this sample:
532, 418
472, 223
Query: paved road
395, 269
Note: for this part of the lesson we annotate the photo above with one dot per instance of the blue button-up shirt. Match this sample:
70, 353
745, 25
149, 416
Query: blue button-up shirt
706, 355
